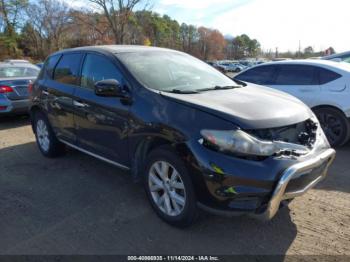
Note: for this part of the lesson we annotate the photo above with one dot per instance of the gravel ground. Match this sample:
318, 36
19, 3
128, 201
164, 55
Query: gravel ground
79, 205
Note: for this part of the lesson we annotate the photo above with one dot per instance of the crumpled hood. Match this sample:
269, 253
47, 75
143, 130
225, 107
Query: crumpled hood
250, 107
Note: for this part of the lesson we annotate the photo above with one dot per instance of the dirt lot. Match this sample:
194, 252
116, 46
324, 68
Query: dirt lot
79, 205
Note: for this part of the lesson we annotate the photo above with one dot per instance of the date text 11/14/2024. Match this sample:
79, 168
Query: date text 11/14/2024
173, 258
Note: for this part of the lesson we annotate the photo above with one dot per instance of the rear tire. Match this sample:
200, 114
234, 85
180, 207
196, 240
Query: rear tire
46, 140
169, 188
335, 125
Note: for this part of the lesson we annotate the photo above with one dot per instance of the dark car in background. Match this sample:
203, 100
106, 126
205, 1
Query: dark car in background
196, 138
341, 57
15, 77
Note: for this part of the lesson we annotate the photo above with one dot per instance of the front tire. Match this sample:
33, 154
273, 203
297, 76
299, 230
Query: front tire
46, 140
335, 125
169, 188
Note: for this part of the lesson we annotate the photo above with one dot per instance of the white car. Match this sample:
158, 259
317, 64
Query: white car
323, 85
17, 61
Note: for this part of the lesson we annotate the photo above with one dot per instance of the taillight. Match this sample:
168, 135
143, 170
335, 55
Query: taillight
5, 89
30, 87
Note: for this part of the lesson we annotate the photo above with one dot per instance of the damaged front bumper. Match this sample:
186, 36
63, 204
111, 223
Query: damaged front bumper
318, 164
234, 186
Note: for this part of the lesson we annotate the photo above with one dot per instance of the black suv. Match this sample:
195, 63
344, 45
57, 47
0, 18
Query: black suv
195, 137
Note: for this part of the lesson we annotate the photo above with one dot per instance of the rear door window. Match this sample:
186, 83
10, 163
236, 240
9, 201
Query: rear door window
262, 75
296, 75
67, 69
326, 76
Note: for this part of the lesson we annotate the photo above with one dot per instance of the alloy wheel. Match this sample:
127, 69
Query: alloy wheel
331, 126
43, 135
167, 188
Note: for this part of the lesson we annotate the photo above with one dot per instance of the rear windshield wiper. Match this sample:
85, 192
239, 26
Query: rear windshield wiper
217, 88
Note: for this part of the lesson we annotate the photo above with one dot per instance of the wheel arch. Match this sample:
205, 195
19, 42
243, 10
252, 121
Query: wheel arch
345, 118
146, 145
328, 106
32, 111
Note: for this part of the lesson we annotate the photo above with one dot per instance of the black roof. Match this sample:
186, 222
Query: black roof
115, 49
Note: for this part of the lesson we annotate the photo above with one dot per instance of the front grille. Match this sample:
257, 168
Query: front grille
303, 133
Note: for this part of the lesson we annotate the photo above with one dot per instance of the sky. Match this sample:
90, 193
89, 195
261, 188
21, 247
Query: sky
274, 23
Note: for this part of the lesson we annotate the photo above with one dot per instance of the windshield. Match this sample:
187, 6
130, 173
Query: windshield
172, 71
7, 72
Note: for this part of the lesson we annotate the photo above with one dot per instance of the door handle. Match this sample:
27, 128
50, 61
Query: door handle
79, 104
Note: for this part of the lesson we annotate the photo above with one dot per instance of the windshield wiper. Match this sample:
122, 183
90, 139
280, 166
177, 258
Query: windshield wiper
239, 82
196, 91
217, 88
179, 91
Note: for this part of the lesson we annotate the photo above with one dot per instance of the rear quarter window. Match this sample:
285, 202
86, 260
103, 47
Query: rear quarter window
327, 76
67, 69
49, 66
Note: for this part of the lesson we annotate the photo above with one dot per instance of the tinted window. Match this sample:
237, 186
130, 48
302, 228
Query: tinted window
326, 76
49, 66
296, 75
258, 75
97, 68
67, 69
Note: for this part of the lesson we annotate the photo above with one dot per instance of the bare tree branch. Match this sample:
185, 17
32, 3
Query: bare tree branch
117, 13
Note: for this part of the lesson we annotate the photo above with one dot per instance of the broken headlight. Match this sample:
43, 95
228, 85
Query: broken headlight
241, 143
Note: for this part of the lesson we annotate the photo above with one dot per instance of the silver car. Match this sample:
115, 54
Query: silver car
14, 81
232, 67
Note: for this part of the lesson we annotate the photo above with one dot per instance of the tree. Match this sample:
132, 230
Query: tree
49, 22
10, 11
329, 51
243, 46
189, 37
50, 25
309, 50
88, 28
211, 44
117, 13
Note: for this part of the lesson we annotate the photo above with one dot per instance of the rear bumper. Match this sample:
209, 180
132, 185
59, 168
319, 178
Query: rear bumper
280, 193
14, 106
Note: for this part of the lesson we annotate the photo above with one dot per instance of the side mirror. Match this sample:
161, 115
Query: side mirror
109, 87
